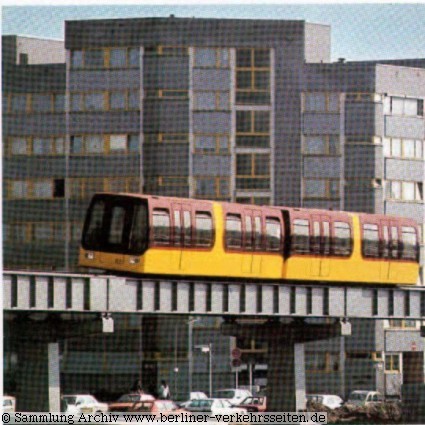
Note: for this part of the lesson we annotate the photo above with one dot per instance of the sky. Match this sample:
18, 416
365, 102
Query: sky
359, 31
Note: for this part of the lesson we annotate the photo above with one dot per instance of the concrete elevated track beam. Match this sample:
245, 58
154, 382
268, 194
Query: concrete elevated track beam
63, 292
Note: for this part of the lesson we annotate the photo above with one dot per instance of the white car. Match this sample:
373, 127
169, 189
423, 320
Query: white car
214, 406
235, 396
328, 400
82, 403
194, 395
365, 398
9, 404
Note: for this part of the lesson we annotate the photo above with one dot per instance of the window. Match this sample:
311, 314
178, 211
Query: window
120, 100
211, 100
409, 242
321, 102
392, 363
187, 228
18, 103
203, 229
253, 129
321, 145
273, 234
41, 103
117, 100
37, 189
59, 103
212, 143
370, 240
403, 148
212, 187
402, 324
342, 239
211, 58
19, 189
252, 76
161, 227
93, 102
301, 237
404, 191
321, 188
76, 59
94, 143
94, 58
19, 146
233, 231
406, 106
253, 171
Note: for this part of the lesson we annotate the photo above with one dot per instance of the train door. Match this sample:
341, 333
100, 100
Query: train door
187, 227
258, 242
177, 235
315, 238
385, 248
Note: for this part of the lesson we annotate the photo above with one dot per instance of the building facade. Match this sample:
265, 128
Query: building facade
239, 110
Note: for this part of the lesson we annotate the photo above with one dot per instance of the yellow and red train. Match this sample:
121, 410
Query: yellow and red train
151, 235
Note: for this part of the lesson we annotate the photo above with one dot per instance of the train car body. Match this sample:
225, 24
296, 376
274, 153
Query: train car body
149, 235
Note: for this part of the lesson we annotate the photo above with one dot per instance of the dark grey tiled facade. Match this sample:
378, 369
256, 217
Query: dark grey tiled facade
172, 112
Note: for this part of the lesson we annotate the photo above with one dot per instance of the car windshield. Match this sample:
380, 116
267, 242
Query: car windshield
225, 394
358, 396
128, 398
70, 400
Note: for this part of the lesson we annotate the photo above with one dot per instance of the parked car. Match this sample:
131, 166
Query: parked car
82, 403
328, 400
365, 398
156, 406
235, 396
214, 405
9, 404
126, 401
254, 404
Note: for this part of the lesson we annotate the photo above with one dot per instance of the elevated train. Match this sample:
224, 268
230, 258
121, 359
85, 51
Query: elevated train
151, 235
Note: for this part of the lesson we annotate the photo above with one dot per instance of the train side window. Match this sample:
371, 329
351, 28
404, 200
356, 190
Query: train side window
203, 229
394, 242
177, 229
233, 231
326, 238
248, 233
370, 240
273, 234
409, 243
342, 239
161, 227
187, 224
316, 238
301, 237
258, 246
385, 242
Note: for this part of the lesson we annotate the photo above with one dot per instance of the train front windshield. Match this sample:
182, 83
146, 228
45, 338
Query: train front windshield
116, 224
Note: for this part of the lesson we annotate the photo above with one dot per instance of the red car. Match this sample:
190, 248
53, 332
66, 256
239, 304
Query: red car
127, 401
254, 404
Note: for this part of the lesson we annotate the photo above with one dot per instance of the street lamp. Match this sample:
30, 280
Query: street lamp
207, 349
